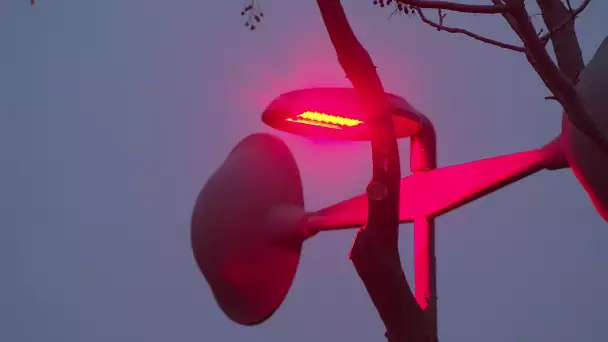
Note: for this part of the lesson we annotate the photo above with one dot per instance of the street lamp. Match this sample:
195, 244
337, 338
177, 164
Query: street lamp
249, 221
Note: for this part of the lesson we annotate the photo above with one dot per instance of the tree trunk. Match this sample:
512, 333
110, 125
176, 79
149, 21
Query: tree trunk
375, 252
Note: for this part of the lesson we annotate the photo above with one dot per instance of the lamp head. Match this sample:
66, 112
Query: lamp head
588, 162
334, 113
246, 229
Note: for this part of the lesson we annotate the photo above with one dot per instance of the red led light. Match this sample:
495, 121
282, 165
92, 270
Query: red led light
324, 120
334, 113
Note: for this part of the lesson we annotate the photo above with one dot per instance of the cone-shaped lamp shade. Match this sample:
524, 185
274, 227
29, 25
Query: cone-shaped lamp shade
334, 113
588, 162
246, 231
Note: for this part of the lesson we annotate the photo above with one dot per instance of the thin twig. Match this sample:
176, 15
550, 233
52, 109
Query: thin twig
540, 32
393, 13
560, 85
440, 27
441, 16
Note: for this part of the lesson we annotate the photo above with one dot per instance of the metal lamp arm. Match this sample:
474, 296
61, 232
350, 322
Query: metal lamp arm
438, 191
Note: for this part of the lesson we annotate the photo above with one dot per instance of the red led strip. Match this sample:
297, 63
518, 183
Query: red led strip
324, 120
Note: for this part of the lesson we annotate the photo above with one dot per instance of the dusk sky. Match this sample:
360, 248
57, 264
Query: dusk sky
114, 113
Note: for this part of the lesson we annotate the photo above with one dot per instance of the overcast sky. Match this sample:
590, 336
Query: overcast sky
114, 113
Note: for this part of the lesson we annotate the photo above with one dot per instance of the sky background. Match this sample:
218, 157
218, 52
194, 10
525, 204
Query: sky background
114, 113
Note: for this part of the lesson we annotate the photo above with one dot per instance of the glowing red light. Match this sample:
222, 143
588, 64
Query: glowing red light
324, 120
334, 113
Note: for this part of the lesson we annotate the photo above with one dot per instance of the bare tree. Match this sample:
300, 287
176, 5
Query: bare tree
375, 253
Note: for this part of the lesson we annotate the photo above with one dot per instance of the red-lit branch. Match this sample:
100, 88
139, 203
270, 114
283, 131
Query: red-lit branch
375, 252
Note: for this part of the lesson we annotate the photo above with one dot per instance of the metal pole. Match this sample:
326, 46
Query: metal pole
423, 158
425, 271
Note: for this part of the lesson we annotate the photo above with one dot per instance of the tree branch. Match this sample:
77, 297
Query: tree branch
375, 252
457, 7
565, 22
569, 5
510, 20
441, 27
565, 43
556, 81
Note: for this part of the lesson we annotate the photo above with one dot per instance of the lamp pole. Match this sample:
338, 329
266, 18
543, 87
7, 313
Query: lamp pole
423, 158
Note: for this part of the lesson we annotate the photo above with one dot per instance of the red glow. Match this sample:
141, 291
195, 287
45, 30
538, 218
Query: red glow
324, 120
436, 192
314, 123
310, 111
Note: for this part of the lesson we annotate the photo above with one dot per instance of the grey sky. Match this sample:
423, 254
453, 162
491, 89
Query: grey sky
114, 113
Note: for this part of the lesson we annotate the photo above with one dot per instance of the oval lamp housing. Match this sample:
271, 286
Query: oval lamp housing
334, 113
